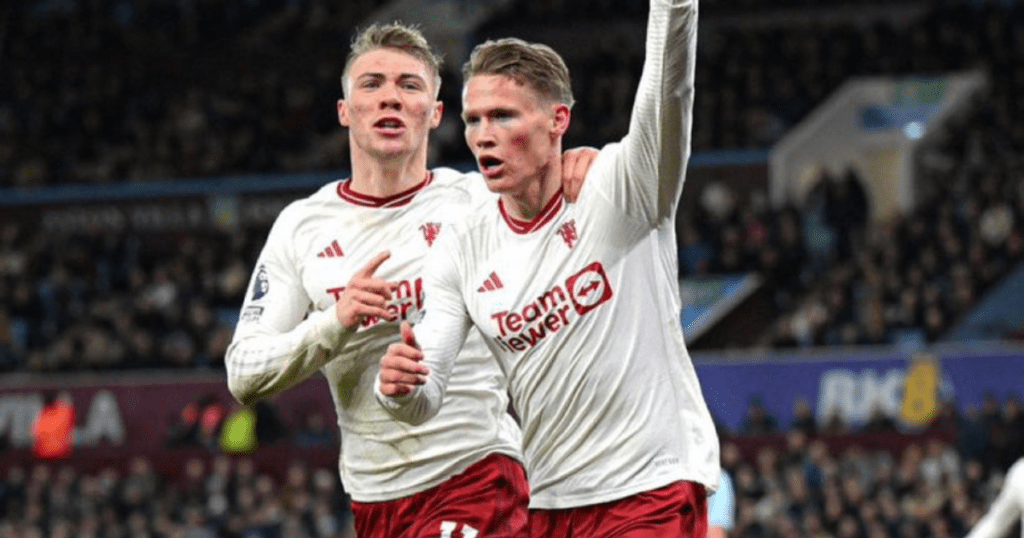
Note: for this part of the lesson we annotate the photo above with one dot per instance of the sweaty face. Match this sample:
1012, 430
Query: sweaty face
511, 130
389, 106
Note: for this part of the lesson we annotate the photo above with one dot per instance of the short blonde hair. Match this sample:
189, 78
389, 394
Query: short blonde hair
394, 36
533, 64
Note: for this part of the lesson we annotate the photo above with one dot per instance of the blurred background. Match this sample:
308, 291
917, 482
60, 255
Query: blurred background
851, 237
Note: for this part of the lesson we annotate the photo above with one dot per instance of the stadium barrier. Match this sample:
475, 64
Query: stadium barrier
121, 416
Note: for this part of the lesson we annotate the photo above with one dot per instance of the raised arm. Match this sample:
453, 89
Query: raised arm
652, 166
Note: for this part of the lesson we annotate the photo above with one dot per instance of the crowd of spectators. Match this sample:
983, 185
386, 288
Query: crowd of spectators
101, 91
913, 278
991, 434
801, 480
103, 300
94, 300
838, 278
104, 91
936, 486
219, 497
755, 80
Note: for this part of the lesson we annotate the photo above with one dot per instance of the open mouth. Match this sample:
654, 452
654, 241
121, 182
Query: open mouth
389, 124
489, 164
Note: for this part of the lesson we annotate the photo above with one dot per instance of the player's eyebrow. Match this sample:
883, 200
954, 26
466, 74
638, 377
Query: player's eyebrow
403, 77
490, 113
411, 76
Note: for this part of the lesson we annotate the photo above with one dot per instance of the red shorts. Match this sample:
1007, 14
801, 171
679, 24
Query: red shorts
487, 500
679, 510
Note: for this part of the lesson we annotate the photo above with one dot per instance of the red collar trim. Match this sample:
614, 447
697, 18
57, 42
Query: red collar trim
545, 216
346, 193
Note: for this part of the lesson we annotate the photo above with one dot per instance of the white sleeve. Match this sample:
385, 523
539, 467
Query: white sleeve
440, 334
276, 345
1006, 509
650, 166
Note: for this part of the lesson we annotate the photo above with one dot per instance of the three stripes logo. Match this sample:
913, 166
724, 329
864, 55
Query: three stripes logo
492, 283
332, 251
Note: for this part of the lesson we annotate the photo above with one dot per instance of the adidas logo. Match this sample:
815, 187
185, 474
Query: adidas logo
492, 283
333, 251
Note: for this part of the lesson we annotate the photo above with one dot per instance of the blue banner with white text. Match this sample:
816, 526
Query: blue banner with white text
908, 388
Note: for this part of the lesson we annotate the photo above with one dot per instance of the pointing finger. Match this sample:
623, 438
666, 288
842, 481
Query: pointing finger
369, 269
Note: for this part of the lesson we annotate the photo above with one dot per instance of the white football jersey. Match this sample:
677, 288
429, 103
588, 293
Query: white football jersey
288, 330
1006, 510
581, 307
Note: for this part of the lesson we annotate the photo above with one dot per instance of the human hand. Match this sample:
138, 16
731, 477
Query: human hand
400, 368
575, 164
365, 296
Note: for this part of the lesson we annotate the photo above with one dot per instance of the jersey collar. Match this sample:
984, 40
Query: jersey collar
346, 193
545, 216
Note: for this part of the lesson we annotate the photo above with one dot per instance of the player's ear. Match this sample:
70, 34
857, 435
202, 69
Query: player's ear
343, 118
560, 119
437, 114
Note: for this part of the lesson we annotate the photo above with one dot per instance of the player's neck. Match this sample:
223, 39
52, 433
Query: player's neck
381, 178
525, 204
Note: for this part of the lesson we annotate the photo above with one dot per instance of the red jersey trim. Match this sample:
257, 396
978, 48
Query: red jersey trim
346, 193
545, 216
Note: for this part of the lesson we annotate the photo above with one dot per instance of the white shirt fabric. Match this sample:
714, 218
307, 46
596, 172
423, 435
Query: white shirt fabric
1007, 509
581, 307
288, 330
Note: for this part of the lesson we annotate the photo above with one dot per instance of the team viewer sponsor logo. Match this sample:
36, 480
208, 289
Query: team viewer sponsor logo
589, 288
552, 310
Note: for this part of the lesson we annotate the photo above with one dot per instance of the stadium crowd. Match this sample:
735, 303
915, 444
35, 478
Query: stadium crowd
800, 480
107, 300
217, 497
758, 75
115, 90
119, 301
108, 91
103, 91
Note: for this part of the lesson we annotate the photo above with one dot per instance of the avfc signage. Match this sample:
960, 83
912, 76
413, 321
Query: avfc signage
99, 418
155, 215
132, 414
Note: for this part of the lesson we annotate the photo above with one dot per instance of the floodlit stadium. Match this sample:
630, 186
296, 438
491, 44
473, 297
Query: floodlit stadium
850, 249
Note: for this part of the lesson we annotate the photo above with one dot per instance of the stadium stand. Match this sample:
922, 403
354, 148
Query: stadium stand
110, 91
215, 497
869, 483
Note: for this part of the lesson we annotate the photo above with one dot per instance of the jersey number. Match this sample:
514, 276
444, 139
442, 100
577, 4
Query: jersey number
448, 528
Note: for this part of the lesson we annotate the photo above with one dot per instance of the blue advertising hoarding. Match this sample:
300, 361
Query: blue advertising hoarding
907, 387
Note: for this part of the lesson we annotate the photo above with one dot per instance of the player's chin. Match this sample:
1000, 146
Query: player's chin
497, 184
393, 148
